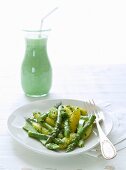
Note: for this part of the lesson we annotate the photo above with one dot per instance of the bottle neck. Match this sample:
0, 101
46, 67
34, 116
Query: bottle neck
36, 42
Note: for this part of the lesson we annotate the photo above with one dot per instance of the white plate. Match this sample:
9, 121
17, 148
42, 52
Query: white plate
16, 121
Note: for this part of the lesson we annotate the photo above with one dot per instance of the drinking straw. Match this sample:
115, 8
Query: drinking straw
42, 20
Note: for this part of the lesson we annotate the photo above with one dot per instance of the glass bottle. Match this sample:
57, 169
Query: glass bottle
36, 70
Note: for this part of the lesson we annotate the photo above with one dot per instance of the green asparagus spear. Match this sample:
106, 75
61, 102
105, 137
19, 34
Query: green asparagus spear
42, 138
57, 105
84, 117
66, 128
47, 126
80, 133
58, 125
36, 114
37, 136
42, 117
53, 112
43, 141
58, 141
81, 143
28, 127
52, 146
30, 120
38, 126
81, 124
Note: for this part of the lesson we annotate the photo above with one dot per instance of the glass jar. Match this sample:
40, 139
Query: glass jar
36, 70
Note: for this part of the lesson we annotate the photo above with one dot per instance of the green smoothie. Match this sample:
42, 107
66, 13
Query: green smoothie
36, 71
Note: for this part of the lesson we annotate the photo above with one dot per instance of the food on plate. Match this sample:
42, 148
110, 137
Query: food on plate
62, 127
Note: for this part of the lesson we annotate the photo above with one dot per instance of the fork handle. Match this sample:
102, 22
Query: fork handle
107, 148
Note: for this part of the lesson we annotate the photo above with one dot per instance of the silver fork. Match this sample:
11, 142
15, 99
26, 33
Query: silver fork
107, 148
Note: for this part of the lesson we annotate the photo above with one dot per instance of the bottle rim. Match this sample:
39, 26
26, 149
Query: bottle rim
39, 31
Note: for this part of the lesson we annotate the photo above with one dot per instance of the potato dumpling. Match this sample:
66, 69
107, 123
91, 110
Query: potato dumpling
50, 121
74, 120
66, 142
83, 111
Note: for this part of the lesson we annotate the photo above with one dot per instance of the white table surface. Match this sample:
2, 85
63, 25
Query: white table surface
103, 83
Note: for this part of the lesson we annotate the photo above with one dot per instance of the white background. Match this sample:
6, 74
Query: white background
83, 31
